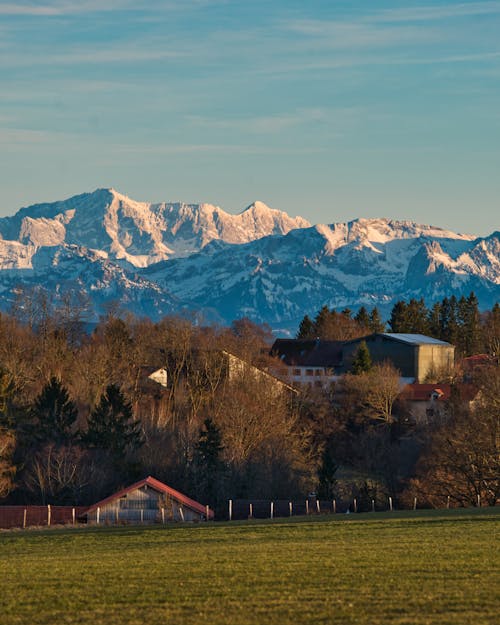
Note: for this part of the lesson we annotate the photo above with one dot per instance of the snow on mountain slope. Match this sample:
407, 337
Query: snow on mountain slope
278, 279
139, 234
69, 269
158, 259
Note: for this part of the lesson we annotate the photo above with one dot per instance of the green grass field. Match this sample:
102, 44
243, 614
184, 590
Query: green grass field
412, 568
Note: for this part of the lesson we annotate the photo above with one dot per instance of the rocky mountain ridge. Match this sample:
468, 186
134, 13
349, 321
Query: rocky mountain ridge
158, 259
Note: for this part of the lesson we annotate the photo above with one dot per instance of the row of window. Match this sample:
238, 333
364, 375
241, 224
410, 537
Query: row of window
313, 372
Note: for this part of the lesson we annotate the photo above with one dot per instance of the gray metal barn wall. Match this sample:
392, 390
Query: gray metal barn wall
402, 355
142, 505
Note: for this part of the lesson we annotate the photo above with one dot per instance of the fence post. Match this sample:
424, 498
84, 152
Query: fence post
478, 500
390, 504
373, 505
318, 506
230, 509
73, 515
48, 515
355, 504
290, 507
334, 506
24, 518
448, 502
272, 509
250, 511
207, 512
307, 506
163, 516
414, 503
142, 515
181, 512
98, 515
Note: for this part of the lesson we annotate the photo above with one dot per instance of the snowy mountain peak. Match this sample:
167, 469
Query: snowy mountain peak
260, 263
139, 234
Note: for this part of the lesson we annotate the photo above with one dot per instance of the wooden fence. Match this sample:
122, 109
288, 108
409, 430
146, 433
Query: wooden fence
36, 516
240, 509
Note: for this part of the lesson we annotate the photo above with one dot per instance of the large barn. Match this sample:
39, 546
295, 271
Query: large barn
147, 501
415, 355
321, 362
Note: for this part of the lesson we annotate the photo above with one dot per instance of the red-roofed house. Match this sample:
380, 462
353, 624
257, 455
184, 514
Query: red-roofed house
426, 402
147, 501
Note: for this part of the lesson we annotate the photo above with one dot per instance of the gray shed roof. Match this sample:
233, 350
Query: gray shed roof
414, 339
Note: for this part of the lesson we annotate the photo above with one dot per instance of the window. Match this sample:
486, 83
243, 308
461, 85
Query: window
318, 372
296, 372
309, 372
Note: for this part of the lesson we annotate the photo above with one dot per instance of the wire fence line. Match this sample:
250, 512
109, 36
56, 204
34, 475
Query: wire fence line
241, 509
237, 510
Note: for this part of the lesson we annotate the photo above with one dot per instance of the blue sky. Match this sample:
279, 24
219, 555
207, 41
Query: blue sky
327, 109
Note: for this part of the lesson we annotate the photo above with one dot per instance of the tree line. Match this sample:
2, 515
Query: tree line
79, 417
455, 320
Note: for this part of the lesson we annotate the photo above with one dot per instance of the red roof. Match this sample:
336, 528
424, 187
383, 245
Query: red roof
161, 488
426, 392
478, 360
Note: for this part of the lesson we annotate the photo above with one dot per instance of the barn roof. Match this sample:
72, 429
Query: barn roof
413, 339
400, 337
159, 487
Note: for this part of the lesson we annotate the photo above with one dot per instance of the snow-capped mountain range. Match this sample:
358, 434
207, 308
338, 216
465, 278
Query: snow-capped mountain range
158, 259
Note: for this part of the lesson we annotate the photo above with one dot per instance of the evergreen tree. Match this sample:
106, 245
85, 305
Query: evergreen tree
491, 331
470, 339
362, 360
323, 323
54, 414
449, 320
398, 321
417, 317
327, 484
306, 329
363, 318
208, 463
111, 426
434, 321
375, 323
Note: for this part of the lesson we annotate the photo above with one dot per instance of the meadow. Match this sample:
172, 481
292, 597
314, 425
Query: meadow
419, 568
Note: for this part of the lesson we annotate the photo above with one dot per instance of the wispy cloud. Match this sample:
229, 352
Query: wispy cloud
336, 34
117, 53
439, 12
264, 124
68, 7
16, 136
212, 148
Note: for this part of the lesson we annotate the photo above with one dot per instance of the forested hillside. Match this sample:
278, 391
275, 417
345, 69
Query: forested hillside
79, 415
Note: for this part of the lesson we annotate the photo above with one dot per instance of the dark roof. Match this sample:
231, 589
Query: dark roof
312, 353
159, 487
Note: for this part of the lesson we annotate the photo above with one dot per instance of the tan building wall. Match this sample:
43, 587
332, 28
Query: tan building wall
413, 360
434, 358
